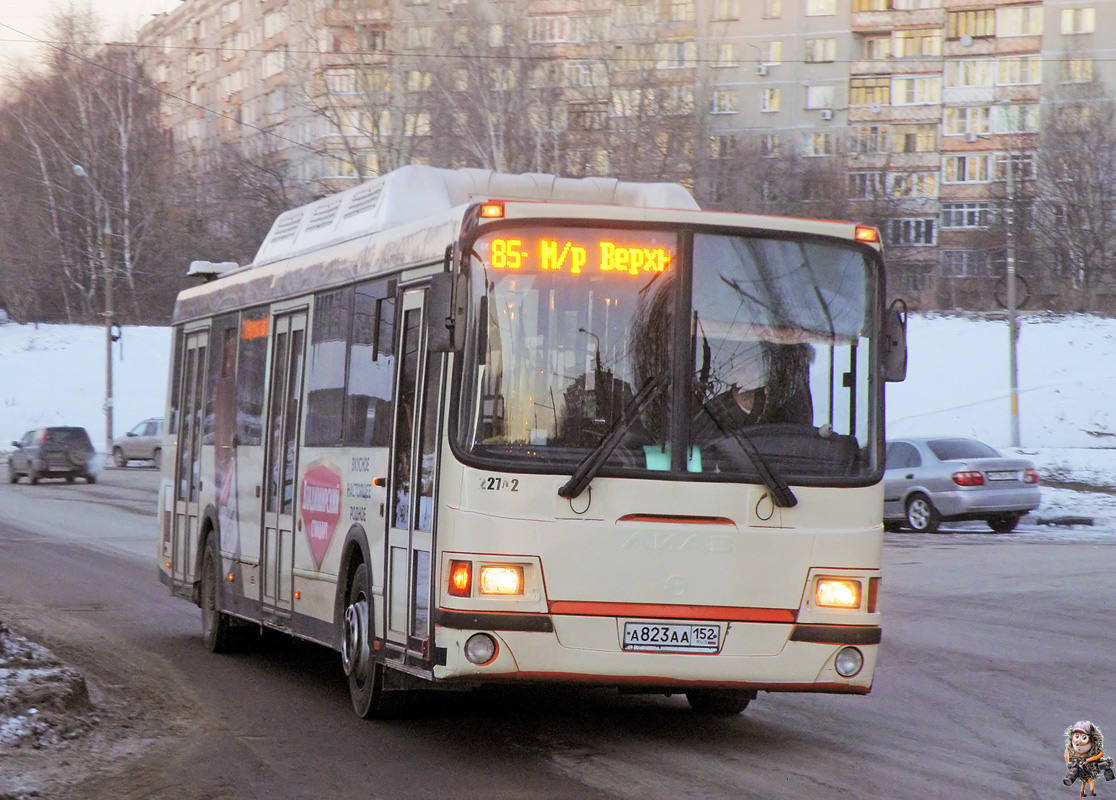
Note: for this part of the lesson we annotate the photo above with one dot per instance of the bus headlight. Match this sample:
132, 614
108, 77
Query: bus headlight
480, 648
837, 593
848, 662
500, 580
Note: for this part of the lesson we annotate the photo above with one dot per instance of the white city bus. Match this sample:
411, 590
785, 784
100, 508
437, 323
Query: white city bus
469, 428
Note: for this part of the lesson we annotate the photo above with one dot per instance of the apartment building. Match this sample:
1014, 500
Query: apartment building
929, 109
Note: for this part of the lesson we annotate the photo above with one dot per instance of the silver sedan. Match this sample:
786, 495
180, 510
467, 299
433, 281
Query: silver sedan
934, 479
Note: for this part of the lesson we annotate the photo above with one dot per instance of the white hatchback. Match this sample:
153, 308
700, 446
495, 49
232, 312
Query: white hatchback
144, 442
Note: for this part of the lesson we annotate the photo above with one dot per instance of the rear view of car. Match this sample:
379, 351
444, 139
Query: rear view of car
931, 480
62, 452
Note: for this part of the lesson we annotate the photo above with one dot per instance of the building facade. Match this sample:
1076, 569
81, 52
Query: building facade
922, 116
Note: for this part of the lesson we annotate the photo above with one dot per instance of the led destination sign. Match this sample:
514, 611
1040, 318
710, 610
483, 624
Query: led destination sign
578, 251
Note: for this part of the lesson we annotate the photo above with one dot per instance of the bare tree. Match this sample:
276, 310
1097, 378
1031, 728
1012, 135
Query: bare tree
1076, 203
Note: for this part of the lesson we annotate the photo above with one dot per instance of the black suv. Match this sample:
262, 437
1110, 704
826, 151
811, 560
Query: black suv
53, 453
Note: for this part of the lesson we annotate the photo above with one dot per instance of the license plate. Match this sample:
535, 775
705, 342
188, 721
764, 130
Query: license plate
672, 638
1001, 476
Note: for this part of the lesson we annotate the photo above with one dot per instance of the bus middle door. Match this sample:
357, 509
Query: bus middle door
281, 465
413, 471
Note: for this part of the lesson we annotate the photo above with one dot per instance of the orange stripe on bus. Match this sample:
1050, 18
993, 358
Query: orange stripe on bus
662, 611
676, 518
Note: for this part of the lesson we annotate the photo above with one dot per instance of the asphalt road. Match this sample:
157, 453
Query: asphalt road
992, 646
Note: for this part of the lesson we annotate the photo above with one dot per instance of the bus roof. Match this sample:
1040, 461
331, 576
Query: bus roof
417, 192
407, 217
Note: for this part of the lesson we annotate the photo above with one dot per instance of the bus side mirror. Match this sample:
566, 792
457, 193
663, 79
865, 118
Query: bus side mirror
895, 342
445, 313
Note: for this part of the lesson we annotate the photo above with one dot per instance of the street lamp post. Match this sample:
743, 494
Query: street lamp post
106, 260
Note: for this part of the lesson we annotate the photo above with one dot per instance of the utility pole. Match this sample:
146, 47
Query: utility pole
106, 261
1012, 299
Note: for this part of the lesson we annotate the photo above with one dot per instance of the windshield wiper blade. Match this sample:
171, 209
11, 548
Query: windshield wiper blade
589, 466
781, 493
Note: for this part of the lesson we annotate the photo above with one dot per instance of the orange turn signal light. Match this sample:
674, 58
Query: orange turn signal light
866, 233
492, 210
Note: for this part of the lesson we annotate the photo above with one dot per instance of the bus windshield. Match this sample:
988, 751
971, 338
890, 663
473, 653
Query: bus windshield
747, 353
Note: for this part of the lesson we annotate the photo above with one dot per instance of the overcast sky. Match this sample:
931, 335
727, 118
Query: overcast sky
23, 21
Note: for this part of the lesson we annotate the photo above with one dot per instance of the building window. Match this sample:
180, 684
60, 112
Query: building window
868, 139
869, 91
821, 144
419, 38
722, 146
675, 55
726, 54
417, 124
821, 50
681, 10
588, 116
916, 42
975, 24
1077, 70
865, 185
770, 145
820, 8
819, 97
970, 119
769, 192
1019, 70
966, 215
916, 91
911, 231
1019, 21
771, 52
724, 101
772, 9
914, 138
769, 100
969, 73
870, 5
1079, 20
726, 9
913, 184
966, 169
916, 281
964, 263
876, 48
1022, 166
548, 29
1016, 118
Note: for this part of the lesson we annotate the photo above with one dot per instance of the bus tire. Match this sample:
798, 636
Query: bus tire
366, 675
728, 702
216, 624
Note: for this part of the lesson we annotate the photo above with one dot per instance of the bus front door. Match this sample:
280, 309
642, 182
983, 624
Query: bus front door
187, 478
281, 464
413, 471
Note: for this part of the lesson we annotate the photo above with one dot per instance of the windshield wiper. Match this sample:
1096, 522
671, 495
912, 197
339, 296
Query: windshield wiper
589, 466
781, 493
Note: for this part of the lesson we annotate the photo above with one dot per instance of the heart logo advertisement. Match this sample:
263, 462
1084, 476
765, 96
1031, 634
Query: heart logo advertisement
320, 506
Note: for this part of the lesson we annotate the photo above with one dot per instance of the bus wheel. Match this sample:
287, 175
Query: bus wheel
366, 676
215, 623
720, 701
